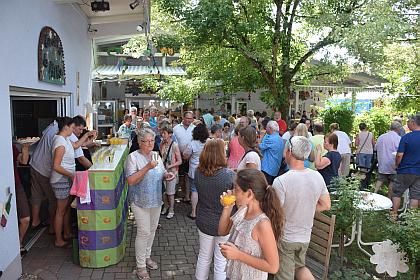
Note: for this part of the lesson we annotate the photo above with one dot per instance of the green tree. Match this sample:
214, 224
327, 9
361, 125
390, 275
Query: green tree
277, 38
401, 67
338, 113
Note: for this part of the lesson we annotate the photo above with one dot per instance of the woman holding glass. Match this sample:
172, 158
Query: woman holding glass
145, 171
212, 178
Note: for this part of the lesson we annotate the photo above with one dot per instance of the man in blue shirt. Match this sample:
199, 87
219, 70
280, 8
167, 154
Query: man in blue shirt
153, 118
271, 146
408, 166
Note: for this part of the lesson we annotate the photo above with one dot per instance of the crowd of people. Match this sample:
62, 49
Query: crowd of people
62, 149
271, 168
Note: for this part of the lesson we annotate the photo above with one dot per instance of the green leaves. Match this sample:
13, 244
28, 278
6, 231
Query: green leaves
406, 233
181, 89
238, 46
378, 120
338, 113
344, 203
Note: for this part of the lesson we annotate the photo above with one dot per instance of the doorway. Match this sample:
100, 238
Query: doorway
30, 117
241, 108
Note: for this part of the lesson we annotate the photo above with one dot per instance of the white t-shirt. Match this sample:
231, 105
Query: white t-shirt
194, 149
78, 152
287, 135
68, 158
183, 136
344, 142
251, 157
299, 192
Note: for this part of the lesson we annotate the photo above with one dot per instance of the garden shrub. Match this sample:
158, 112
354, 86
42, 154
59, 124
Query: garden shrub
338, 113
378, 120
406, 233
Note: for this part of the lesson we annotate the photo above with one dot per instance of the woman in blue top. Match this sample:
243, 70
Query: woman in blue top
328, 164
145, 171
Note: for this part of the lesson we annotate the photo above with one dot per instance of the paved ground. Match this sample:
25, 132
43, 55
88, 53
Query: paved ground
175, 249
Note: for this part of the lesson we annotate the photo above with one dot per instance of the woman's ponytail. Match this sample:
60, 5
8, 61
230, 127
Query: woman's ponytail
272, 208
269, 201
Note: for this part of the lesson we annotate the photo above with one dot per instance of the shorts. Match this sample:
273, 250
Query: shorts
184, 168
40, 188
292, 256
364, 160
404, 182
170, 186
386, 178
61, 189
193, 188
22, 204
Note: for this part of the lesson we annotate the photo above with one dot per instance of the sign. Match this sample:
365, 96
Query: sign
51, 67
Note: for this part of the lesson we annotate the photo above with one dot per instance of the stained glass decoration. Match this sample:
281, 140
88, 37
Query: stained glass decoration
51, 68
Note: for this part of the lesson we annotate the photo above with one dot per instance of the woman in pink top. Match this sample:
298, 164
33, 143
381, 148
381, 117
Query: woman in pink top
236, 151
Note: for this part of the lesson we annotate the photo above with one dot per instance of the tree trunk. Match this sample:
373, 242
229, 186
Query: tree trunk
282, 100
341, 248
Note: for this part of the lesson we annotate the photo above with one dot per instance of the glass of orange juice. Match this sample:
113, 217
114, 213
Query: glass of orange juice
228, 199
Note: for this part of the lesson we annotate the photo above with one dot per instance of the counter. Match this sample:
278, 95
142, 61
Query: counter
103, 223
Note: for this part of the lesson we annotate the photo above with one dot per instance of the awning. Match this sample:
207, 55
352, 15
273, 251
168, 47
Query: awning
112, 72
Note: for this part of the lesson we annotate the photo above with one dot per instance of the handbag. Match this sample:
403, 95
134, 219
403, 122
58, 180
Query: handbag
357, 158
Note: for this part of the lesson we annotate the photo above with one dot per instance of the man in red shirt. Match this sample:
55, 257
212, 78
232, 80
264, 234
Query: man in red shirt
282, 123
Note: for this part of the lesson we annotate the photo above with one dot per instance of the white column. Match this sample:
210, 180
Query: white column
233, 100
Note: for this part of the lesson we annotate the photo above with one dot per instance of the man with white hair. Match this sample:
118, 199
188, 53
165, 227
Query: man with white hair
301, 191
272, 150
386, 147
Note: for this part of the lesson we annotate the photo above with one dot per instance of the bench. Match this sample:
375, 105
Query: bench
318, 254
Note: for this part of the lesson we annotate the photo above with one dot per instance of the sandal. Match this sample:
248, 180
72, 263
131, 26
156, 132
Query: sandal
191, 217
66, 245
151, 264
170, 215
142, 274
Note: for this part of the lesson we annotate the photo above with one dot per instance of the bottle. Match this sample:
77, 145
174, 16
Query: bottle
6, 211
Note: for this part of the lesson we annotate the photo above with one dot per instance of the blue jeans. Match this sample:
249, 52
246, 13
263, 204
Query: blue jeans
364, 160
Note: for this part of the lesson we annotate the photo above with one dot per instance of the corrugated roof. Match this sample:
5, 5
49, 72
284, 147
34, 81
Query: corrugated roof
114, 72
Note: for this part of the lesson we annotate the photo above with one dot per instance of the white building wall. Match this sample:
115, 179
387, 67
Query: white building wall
253, 100
21, 23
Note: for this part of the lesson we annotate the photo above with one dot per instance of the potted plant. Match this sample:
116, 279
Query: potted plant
345, 199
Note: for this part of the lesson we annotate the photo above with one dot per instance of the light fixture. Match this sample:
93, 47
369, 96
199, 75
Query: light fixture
139, 28
134, 4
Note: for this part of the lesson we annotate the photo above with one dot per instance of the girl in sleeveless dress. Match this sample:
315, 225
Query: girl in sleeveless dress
254, 229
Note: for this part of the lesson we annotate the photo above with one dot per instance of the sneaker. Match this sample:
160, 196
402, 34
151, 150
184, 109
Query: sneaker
151, 264
170, 215
142, 273
164, 210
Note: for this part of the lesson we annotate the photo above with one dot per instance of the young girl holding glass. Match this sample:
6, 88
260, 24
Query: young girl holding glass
254, 230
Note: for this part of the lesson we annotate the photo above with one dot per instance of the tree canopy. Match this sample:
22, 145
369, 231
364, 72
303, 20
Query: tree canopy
245, 44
